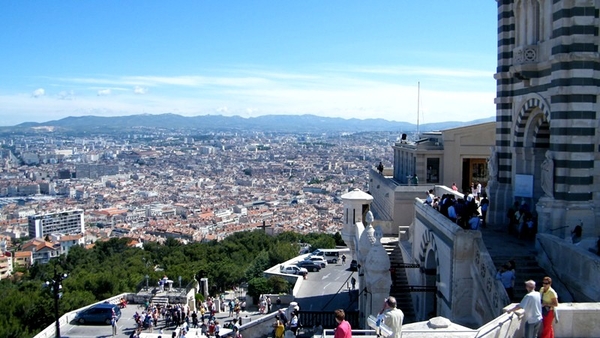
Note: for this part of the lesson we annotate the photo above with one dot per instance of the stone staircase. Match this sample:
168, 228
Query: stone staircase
400, 281
503, 247
158, 300
526, 268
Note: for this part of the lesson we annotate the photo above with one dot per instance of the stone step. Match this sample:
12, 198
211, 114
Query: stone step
160, 300
400, 282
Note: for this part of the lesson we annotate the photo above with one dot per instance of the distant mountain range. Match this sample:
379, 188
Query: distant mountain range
269, 123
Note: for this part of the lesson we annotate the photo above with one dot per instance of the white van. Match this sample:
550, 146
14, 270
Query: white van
330, 255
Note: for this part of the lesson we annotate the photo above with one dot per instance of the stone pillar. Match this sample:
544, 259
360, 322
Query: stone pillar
204, 287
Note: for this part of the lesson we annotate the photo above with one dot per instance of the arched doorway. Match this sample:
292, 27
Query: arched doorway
531, 140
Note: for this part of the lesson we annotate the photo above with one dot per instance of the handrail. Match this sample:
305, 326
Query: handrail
508, 318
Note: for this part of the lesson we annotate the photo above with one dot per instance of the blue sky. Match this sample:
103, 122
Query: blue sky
350, 59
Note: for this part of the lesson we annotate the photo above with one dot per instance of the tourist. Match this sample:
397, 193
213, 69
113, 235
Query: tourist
113, 322
511, 215
392, 317
484, 205
294, 323
231, 305
430, 197
282, 317
549, 303
452, 215
474, 221
507, 277
576, 233
279, 327
217, 329
532, 307
454, 187
415, 179
343, 329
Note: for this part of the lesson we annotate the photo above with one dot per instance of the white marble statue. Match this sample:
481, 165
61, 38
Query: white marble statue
547, 175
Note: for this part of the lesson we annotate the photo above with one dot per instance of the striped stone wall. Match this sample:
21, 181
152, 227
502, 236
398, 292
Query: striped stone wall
547, 91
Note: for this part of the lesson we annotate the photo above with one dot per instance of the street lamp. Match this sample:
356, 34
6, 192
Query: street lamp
180, 282
55, 285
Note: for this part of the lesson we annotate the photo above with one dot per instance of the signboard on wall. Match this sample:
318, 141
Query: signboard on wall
523, 186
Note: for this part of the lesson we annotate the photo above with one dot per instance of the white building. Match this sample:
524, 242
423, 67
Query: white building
63, 222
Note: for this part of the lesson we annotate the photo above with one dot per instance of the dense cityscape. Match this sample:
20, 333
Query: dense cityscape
153, 184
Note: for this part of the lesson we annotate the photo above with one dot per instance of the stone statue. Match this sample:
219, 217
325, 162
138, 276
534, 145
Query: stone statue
547, 175
492, 165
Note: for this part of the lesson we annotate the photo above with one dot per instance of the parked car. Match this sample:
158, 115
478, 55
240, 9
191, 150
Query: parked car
99, 314
309, 265
317, 259
293, 270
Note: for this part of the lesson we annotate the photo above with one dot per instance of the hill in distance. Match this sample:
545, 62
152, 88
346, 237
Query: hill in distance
210, 123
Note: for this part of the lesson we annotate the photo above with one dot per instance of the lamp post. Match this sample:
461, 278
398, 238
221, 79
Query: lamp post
179, 282
147, 281
55, 285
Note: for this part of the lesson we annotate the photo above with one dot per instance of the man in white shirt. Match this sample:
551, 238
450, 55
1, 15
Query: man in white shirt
532, 307
392, 317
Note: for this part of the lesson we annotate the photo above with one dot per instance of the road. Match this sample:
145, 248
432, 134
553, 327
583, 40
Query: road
327, 290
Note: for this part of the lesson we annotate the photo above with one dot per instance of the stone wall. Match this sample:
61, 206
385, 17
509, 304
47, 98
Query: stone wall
575, 271
467, 292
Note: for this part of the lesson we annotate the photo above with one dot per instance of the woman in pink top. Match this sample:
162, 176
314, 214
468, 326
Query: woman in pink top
343, 330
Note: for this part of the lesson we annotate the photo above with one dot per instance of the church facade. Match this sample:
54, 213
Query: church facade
547, 132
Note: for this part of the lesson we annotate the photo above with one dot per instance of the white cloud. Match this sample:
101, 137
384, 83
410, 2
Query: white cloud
104, 92
66, 95
38, 92
140, 90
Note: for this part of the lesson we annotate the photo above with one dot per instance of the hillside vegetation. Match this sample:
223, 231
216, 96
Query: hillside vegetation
113, 267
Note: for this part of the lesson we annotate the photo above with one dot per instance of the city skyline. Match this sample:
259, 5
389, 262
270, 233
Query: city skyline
333, 59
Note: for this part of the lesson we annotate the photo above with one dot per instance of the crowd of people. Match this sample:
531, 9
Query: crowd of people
469, 212
521, 221
174, 316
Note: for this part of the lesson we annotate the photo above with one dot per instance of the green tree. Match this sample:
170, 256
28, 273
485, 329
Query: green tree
258, 265
258, 286
278, 284
338, 239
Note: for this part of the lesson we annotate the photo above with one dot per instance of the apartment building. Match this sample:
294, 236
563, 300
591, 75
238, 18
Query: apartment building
63, 222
